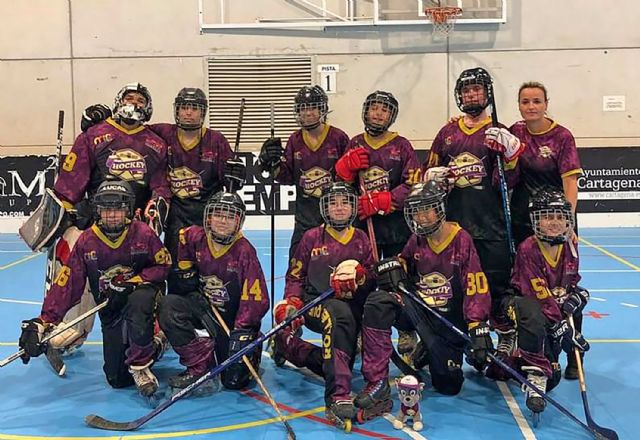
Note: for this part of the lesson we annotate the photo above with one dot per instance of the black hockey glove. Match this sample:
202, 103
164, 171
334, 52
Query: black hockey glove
117, 292
390, 274
270, 154
235, 174
94, 114
481, 344
237, 375
568, 337
33, 331
182, 282
575, 301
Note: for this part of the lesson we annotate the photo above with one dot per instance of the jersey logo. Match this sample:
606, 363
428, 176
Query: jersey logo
559, 294
214, 289
184, 182
313, 181
319, 251
376, 179
127, 164
107, 137
544, 152
435, 289
469, 168
155, 146
112, 272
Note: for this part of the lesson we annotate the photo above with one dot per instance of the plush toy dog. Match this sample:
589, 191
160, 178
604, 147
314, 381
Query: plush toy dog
410, 393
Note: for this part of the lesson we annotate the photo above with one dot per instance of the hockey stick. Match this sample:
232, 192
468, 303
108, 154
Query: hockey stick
236, 147
95, 421
596, 431
273, 225
504, 191
290, 434
57, 332
606, 432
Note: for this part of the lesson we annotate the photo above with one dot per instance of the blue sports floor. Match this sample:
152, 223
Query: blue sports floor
35, 403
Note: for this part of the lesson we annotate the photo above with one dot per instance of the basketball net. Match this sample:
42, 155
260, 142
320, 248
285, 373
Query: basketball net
443, 18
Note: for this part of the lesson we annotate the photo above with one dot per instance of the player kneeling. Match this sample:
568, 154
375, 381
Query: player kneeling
217, 268
443, 268
125, 262
545, 275
335, 244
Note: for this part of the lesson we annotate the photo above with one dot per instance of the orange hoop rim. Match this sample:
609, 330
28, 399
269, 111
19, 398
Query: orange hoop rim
442, 14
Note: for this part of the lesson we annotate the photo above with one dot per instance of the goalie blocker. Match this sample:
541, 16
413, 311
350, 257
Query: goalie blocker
46, 223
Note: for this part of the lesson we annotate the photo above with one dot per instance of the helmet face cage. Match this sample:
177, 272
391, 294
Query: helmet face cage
423, 199
130, 113
551, 216
311, 98
109, 197
195, 98
223, 210
335, 196
470, 77
387, 100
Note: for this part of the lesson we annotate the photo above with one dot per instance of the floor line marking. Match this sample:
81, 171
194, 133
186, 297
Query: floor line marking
595, 298
410, 432
520, 419
613, 290
607, 270
21, 260
612, 255
19, 301
629, 305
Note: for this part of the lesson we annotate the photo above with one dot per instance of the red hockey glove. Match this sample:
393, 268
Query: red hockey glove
502, 141
346, 278
286, 308
375, 202
351, 162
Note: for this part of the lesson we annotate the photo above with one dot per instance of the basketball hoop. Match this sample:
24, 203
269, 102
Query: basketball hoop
443, 18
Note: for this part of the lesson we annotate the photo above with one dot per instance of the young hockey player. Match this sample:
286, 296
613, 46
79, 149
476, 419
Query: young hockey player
219, 268
385, 166
121, 260
545, 275
442, 267
339, 256
308, 159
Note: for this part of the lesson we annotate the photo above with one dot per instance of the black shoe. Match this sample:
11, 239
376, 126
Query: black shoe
571, 372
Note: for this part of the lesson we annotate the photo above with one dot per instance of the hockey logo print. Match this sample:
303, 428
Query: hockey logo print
214, 289
376, 179
185, 183
468, 170
435, 289
314, 180
127, 165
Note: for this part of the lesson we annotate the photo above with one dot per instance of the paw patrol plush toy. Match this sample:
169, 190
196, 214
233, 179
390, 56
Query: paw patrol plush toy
410, 393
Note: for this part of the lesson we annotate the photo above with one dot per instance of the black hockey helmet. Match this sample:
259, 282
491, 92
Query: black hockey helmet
388, 100
549, 204
471, 77
311, 97
131, 113
226, 207
422, 198
113, 195
194, 97
338, 193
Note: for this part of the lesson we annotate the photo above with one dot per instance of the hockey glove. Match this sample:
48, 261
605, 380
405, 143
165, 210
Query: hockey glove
237, 375
270, 154
351, 162
289, 307
502, 141
442, 175
33, 331
346, 278
568, 337
575, 302
375, 202
117, 291
390, 274
94, 114
182, 282
156, 213
235, 174
481, 344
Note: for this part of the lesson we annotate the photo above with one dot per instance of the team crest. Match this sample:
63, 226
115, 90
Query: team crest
435, 289
469, 170
376, 179
312, 181
127, 164
184, 182
214, 289
559, 294
448, 140
112, 272
544, 152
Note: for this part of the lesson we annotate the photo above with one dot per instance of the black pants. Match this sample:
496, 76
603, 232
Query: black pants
496, 264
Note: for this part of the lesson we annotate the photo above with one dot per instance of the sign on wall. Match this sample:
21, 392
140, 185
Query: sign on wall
22, 183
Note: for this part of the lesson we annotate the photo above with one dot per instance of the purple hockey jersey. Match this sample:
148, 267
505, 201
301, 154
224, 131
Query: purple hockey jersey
138, 254
538, 274
231, 278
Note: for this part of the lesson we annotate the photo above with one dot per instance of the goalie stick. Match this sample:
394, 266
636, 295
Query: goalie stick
95, 421
596, 431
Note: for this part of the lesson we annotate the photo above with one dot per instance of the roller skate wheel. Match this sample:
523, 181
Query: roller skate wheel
347, 425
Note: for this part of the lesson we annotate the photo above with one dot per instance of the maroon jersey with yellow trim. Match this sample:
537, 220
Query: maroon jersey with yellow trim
231, 277
109, 151
138, 254
319, 252
310, 167
448, 276
538, 274
394, 167
475, 201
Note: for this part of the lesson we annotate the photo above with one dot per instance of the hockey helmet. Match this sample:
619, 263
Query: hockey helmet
311, 98
195, 98
113, 204
424, 208
223, 217
551, 215
471, 77
388, 101
131, 113
334, 201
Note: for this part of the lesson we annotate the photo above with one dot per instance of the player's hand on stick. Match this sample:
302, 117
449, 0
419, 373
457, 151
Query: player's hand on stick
289, 307
374, 202
576, 300
156, 213
351, 162
502, 141
346, 278
94, 114
443, 175
270, 154
390, 274
568, 337
235, 173
32, 333
481, 344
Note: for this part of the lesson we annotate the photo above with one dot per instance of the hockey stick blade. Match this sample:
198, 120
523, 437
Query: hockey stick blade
95, 421
596, 431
